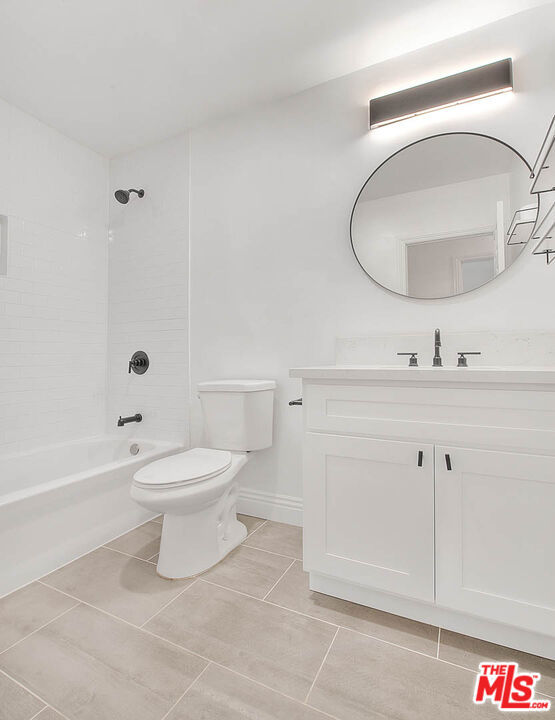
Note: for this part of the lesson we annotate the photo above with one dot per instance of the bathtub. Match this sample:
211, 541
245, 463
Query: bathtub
61, 501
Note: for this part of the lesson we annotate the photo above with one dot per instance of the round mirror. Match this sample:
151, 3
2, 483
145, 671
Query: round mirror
444, 215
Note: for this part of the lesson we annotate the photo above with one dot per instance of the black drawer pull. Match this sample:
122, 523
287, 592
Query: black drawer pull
420, 458
448, 461
296, 402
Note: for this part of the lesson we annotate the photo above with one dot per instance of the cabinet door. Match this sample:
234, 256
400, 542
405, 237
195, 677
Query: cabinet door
495, 536
369, 512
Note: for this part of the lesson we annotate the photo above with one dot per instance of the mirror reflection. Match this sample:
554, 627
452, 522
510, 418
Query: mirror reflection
444, 216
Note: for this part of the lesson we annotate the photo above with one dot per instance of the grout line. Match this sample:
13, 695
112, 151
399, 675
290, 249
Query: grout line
115, 617
270, 552
223, 587
150, 559
279, 578
190, 585
127, 554
39, 628
34, 694
94, 607
438, 642
38, 713
264, 522
321, 666
234, 672
180, 698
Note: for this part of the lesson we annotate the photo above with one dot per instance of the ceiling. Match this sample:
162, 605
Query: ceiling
118, 74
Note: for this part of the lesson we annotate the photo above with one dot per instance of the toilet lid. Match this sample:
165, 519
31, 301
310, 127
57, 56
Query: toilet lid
184, 468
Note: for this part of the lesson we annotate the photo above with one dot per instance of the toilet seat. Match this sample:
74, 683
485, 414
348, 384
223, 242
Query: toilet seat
186, 468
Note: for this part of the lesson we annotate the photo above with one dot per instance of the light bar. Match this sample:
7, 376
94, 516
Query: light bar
475, 84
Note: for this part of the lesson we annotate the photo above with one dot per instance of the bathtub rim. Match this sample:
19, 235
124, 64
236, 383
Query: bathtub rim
159, 447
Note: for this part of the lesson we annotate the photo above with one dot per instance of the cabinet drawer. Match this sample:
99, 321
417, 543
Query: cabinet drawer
494, 417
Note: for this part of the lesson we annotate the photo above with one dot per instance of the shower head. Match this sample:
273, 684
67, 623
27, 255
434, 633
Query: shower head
122, 196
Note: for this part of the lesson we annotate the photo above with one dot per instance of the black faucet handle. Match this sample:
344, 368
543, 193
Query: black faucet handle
413, 362
462, 362
139, 363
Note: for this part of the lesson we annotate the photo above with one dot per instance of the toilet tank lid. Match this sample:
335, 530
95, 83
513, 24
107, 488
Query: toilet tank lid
235, 385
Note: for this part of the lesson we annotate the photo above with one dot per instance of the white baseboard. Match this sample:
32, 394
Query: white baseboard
281, 508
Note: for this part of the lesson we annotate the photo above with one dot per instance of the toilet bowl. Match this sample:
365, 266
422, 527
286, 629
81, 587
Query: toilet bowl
197, 490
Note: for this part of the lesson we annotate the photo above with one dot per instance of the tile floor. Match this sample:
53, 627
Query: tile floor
104, 638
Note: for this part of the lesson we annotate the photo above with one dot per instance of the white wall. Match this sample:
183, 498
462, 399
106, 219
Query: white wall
53, 298
273, 278
148, 291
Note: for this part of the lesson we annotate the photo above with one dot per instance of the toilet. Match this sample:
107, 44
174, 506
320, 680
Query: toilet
197, 490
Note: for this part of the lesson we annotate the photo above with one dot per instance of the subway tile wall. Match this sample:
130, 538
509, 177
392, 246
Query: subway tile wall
148, 291
53, 298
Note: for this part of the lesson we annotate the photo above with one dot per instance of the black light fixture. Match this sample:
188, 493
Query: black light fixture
480, 82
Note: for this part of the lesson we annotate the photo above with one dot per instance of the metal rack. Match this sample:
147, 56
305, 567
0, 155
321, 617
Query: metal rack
543, 182
522, 224
543, 172
544, 234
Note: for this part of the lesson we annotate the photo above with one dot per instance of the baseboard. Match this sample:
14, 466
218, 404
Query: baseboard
281, 508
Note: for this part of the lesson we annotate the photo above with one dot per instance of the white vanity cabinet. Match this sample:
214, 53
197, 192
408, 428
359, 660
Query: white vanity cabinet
430, 493
495, 535
368, 512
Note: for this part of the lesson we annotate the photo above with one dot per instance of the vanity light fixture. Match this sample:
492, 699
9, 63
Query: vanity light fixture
475, 84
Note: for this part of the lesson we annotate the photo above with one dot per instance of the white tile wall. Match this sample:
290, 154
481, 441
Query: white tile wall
148, 291
53, 300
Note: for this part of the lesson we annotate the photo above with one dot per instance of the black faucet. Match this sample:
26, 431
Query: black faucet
132, 418
437, 343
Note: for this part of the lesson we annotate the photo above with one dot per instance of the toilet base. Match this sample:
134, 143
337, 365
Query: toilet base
228, 544
193, 543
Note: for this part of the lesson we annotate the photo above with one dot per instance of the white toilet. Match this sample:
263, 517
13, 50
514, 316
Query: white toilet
197, 490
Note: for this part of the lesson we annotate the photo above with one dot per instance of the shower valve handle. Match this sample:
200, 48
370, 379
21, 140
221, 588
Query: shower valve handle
136, 363
139, 363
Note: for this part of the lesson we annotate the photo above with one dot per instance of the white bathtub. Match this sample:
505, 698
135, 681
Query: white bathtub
60, 501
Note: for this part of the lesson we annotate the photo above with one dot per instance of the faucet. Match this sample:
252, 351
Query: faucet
437, 344
132, 418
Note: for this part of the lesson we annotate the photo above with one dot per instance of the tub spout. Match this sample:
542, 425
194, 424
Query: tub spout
132, 418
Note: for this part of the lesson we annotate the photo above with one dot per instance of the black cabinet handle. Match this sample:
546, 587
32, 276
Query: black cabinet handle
420, 458
448, 461
296, 402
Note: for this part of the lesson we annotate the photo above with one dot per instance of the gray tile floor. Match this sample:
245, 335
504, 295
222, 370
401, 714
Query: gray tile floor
104, 638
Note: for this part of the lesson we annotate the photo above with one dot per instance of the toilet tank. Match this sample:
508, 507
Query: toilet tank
238, 414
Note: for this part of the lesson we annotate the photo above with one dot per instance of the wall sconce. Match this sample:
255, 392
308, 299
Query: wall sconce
480, 82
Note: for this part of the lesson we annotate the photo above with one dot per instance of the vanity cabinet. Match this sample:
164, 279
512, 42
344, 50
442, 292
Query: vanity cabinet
369, 512
495, 535
432, 495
